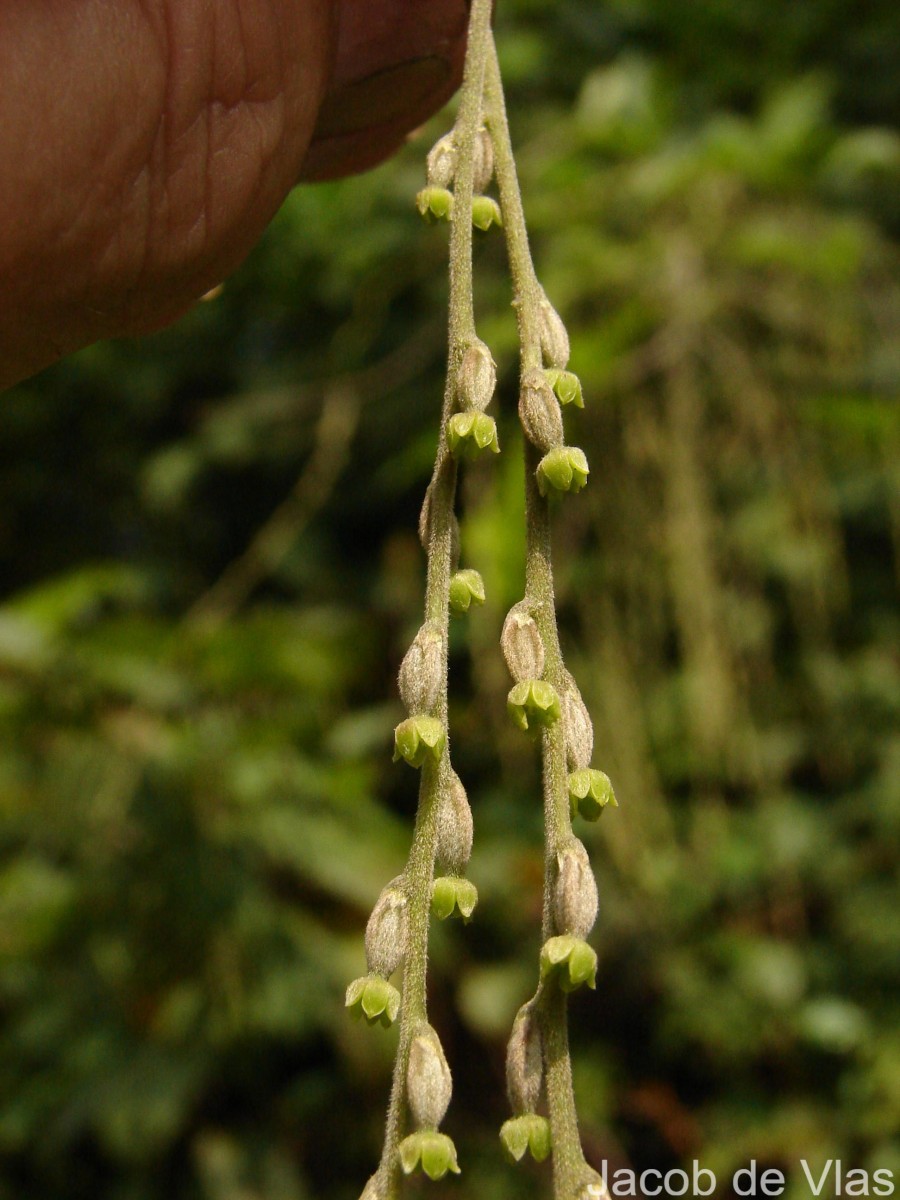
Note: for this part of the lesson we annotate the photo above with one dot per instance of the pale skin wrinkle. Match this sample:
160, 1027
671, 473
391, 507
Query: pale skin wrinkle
146, 144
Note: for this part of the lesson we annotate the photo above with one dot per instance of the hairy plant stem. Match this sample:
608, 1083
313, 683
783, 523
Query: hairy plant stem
419, 872
569, 1165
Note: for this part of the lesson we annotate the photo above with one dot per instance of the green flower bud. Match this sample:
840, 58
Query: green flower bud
466, 588
578, 726
570, 960
386, 930
539, 412
483, 158
521, 643
524, 1062
533, 704
373, 998
486, 212
574, 896
470, 433
428, 1082
477, 377
554, 337
450, 894
590, 791
422, 670
435, 1152
435, 204
417, 738
566, 386
528, 1132
440, 165
564, 469
453, 846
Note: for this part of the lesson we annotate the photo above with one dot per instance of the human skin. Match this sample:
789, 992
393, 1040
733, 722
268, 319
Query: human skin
146, 144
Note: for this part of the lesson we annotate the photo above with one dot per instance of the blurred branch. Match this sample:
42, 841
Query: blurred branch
337, 424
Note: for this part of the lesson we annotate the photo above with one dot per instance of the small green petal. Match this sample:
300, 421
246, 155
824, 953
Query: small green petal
582, 968
435, 1151
410, 1151
563, 469
590, 791
471, 433
514, 1136
443, 898
354, 992
566, 386
417, 738
571, 960
486, 212
466, 899
466, 589
452, 894
439, 1156
540, 1141
484, 430
544, 697
555, 951
533, 702
375, 999
435, 204
526, 1132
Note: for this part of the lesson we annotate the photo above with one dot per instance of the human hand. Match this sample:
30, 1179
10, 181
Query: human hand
146, 144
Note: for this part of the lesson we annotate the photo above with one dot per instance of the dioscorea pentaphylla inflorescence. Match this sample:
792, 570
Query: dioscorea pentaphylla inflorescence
544, 701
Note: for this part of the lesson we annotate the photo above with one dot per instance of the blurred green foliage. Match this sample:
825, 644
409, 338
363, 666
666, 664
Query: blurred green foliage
210, 574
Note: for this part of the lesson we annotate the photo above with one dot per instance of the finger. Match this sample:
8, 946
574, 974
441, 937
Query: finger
144, 146
397, 62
